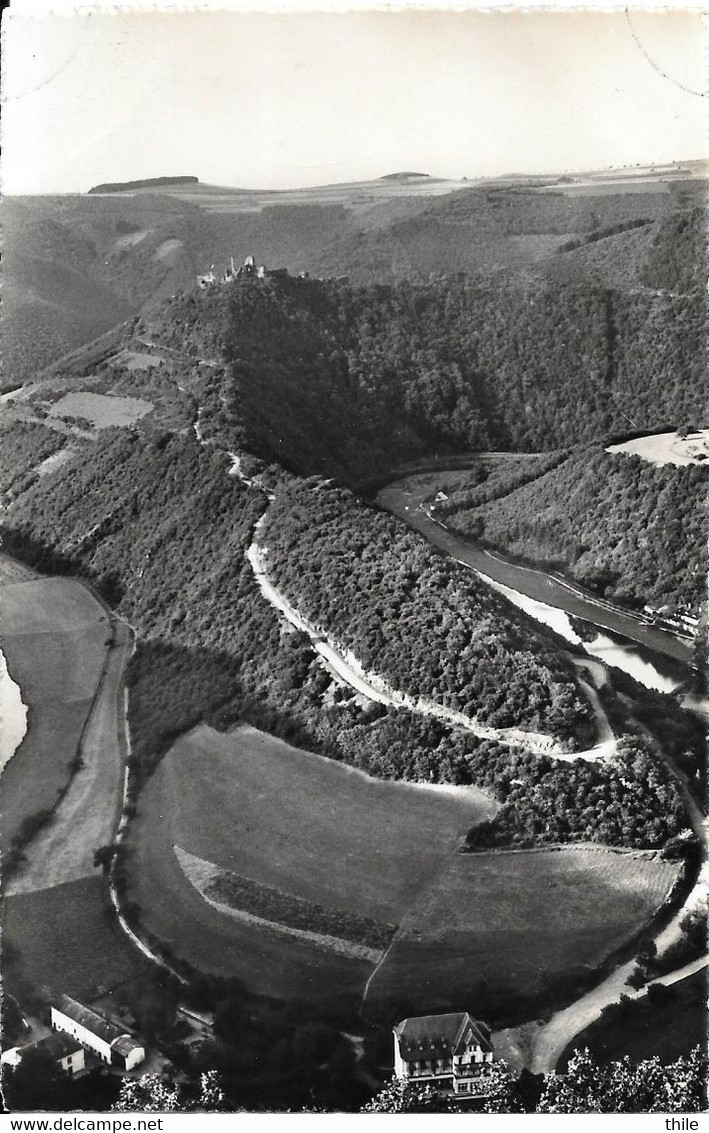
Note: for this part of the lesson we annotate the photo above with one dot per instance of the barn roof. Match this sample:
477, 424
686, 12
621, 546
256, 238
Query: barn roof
102, 1028
440, 1036
125, 1045
59, 1045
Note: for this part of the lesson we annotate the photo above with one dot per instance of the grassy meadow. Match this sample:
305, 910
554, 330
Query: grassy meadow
502, 928
312, 828
54, 636
66, 940
487, 928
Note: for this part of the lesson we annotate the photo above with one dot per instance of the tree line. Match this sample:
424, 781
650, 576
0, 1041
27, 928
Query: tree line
328, 379
156, 524
630, 530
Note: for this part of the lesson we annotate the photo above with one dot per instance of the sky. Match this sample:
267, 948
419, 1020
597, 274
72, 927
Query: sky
284, 100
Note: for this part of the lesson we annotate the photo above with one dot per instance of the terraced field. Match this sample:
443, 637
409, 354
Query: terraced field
294, 836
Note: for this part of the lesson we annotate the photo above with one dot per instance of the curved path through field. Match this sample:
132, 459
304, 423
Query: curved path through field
86, 817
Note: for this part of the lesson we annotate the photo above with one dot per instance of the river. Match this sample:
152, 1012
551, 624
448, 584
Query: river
13, 714
654, 657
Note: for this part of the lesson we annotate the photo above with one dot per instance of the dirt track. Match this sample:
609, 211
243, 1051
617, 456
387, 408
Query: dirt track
552, 1039
86, 817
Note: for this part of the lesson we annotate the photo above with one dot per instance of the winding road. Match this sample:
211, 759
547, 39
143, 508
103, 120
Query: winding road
544, 1043
550, 1041
87, 816
346, 666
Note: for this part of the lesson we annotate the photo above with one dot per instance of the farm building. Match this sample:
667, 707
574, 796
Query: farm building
444, 1051
99, 1035
65, 1050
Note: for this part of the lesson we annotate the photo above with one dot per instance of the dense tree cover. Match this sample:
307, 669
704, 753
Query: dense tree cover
23, 445
160, 528
678, 255
669, 1022
414, 617
144, 183
272, 904
602, 234
267, 1055
691, 946
631, 800
586, 1086
628, 529
152, 1094
337, 381
501, 228
627, 1086
70, 276
681, 735
38, 1083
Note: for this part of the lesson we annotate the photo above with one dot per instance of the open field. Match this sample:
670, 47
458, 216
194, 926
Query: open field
66, 939
13, 571
136, 360
54, 636
355, 195
304, 824
86, 817
500, 927
668, 448
101, 409
269, 963
643, 1029
309, 827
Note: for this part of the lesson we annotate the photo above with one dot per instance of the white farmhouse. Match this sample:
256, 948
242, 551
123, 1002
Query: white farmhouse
448, 1052
97, 1034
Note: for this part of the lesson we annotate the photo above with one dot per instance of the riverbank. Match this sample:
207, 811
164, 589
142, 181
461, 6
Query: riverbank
54, 636
531, 583
13, 714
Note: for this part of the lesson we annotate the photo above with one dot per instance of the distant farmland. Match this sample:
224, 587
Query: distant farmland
512, 923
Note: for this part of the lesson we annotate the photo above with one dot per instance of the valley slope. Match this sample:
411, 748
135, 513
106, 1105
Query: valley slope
257, 416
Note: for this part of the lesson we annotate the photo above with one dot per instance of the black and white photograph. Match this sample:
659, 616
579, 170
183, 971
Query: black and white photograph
354, 453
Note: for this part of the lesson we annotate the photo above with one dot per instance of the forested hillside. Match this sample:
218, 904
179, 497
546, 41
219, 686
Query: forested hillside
77, 265
415, 617
503, 228
630, 530
340, 381
158, 526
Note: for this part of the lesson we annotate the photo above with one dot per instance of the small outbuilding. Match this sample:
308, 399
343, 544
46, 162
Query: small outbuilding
66, 1051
